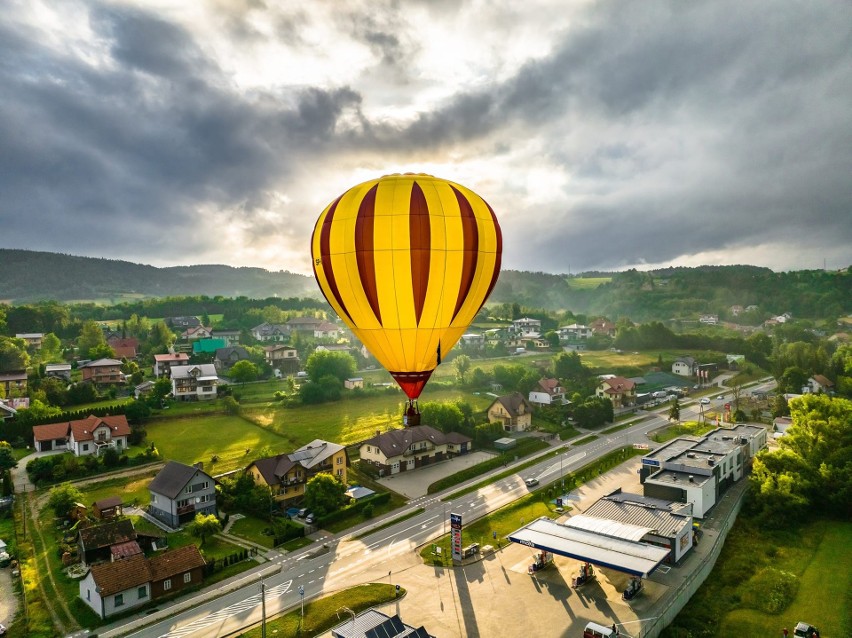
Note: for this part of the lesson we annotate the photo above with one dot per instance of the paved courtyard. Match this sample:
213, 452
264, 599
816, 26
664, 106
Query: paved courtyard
415, 482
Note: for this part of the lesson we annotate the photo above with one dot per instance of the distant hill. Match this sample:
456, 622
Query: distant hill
27, 276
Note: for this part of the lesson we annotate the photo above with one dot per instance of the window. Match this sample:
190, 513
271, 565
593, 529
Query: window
187, 577
119, 600
340, 472
85, 447
183, 502
88, 594
339, 460
142, 592
167, 584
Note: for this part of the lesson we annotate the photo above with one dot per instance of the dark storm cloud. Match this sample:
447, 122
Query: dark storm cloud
104, 160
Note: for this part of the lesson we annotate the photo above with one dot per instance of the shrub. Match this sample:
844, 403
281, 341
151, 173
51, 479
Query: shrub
367, 512
770, 590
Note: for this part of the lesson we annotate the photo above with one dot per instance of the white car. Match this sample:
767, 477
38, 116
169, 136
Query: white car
531, 482
705, 401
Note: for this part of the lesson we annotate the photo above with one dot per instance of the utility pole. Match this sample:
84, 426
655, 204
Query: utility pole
263, 608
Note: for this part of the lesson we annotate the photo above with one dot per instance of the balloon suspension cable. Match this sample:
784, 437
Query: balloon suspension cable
412, 413
439, 353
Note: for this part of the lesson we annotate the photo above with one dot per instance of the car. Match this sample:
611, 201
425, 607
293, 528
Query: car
531, 482
5, 559
805, 630
302, 512
293, 512
721, 397
2, 629
309, 519
705, 401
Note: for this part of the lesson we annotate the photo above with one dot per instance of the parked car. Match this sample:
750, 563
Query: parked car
5, 559
302, 512
705, 401
309, 519
292, 512
2, 629
805, 630
531, 482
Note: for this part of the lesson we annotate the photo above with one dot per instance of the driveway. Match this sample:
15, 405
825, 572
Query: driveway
414, 483
8, 601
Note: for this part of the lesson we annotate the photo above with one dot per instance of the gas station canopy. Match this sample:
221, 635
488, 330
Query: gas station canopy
606, 544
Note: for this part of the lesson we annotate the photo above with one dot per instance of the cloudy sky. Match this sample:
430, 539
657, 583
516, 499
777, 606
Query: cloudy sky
605, 135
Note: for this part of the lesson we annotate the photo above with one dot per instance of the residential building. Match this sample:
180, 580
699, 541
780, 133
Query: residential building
127, 583
33, 339
512, 411
207, 346
179, 492
603, 327
354, 382
143, 389
819, 383
231, 337
94, 542
525, 326
163, 363
83, 437
411, 447
327, 330
103, 372
283, 358
195, 333
14, 382
574, 332
124, 348
304, 324
6, 411
287, 474
473, 341
685, 367
182, 323
547, 392
58, 370
736, 310
334, 347
225, 358
194, 382
107, 508
621, 391
709, 320
271, 332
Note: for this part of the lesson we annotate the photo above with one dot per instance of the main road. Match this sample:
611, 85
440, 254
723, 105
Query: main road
342, 560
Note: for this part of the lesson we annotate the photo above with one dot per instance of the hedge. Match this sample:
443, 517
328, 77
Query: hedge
346, 512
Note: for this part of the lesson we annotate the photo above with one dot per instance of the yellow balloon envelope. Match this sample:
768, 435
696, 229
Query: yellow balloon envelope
407, 261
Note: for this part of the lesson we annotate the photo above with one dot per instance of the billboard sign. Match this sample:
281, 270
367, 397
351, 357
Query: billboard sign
456, 535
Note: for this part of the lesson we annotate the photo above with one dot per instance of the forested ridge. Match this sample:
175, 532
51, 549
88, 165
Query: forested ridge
671, 293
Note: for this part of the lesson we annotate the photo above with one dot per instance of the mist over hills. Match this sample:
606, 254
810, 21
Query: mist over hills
30, 276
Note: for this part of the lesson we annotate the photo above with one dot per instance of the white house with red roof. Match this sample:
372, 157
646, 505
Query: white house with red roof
621, 391
163, 363
84, 437
547, 392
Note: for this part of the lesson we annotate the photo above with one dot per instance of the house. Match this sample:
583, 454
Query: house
124, 348
819, 383
179, 492
194, 382
225, 358
736, 310
94, 542
130, 582
473, 341
304, 324
287, 474
621, 391
58, 370
143, 389
526, 326
326, 330
6, 411
85, 436
513, 411
271, 332
409, 448
195, 333
574, 332
14, 382
103, 372
283, 358
337, 347
685, 367
231, 337
374, 624
780, 424
107, 508
354, 382
182, 323
547, 392
163, 363
603, 327
207, 346
708, 320
33, 339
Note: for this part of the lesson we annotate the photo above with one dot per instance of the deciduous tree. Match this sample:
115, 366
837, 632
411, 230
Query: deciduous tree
323, 494
62, 498
204, 526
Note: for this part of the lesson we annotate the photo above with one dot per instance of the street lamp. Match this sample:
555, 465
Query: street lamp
262, 608
302, 594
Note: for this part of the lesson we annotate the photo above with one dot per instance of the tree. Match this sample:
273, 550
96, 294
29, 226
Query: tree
204, 525
445, 416
7, 457
13, 354
160, 337
243, 371
62, 498
51, 348
674, 412
54, 391
91, 341
323, 494
162, 388
340, 365
461, 364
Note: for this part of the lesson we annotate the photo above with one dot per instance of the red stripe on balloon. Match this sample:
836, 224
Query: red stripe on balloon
470, 243
497, 255
325, 259
364, 249
420, 244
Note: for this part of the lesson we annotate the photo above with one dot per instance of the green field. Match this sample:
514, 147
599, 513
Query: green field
817, 554
586, 283
194, 439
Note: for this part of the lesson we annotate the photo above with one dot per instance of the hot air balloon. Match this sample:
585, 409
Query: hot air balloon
407, 261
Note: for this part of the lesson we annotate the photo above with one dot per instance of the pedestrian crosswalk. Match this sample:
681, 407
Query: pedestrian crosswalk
227, 612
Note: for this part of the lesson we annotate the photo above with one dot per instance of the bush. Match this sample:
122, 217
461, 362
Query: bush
111, 457
367, 512
771, 590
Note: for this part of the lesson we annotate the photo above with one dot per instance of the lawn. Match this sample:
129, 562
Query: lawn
586, 283
190, 440
324, 613
131, 490
251, 528
687, 428
348, 421
818, 554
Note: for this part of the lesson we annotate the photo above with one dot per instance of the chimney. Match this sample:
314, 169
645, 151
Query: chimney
691, 478
199, 465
